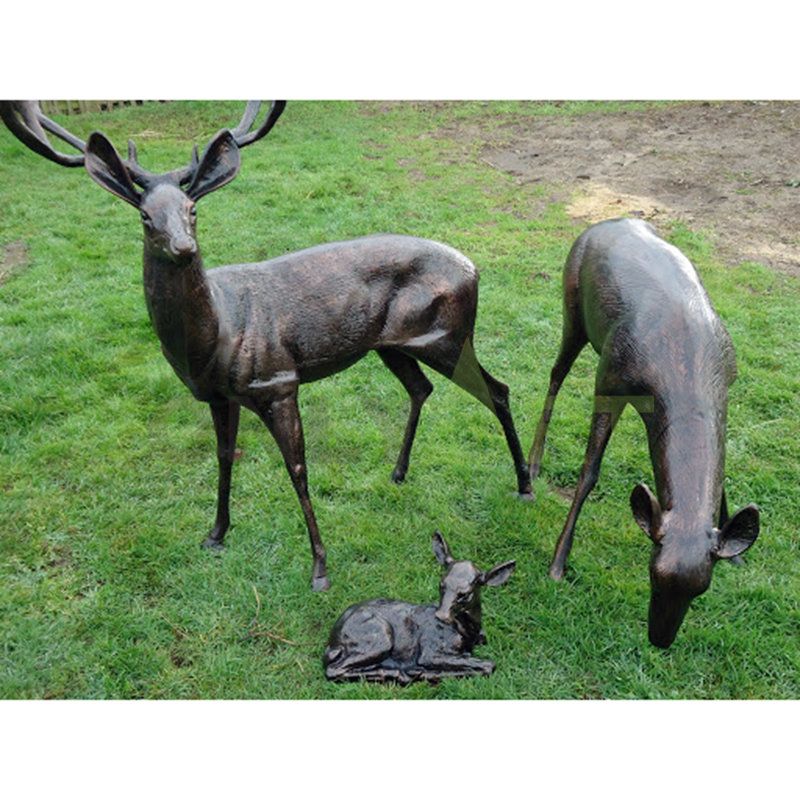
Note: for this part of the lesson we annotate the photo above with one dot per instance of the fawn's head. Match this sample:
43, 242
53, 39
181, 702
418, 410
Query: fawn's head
166, 201
459, 589
682, 560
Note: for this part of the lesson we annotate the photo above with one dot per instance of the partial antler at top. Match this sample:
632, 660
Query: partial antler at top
242, 134
25, 119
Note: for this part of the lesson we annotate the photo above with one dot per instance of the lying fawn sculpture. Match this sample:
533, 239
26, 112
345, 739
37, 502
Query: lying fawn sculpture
662, 348
250, 334
388, 640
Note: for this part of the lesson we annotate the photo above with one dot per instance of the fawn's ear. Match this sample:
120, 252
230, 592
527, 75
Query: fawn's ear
441, 550
646, 511
498, 575
105, 166
738, 533
219, 165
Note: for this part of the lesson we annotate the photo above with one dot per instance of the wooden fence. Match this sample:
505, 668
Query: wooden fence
84, 106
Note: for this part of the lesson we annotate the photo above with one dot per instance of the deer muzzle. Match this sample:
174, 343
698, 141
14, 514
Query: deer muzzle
665, 617
182, 247
445, 612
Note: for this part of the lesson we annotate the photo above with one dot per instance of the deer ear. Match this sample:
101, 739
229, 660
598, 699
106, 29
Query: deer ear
219, 165
738, 533
646, 511
498, 575
106, 168
441, 550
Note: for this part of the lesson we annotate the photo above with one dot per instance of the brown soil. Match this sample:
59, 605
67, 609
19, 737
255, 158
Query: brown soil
731, 169
13, 258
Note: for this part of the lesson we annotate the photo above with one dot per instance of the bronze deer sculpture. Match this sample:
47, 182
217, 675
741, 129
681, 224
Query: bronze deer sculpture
250, 334
390, 640
640, 303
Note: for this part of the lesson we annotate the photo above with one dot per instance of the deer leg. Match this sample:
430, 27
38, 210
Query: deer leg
602, 425
359, 664
456, 360
572, 343
282, 417
226, 425
419, 388
443, 666
373, 675
502, 410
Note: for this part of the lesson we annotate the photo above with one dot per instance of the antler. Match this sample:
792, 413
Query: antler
240, 132
143, 178
242, 135
25, 119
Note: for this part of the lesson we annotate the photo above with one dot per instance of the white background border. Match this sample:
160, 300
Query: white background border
413, 50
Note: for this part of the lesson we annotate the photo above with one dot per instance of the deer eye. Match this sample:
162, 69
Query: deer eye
193, 212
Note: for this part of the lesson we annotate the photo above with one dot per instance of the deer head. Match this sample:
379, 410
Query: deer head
681, 566
459, 589
166, 201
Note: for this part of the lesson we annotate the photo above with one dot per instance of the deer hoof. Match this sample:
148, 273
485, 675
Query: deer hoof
556, 572
526, 497
398, 477
320, 583
213, 544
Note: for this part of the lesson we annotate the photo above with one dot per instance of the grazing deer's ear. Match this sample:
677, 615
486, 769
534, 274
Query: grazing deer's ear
646, 511
738, 533
498, 575
441, 550
105, 166
218, 166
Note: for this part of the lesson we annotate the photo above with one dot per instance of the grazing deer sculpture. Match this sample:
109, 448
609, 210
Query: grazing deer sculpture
662, 348
250, 334
389, 640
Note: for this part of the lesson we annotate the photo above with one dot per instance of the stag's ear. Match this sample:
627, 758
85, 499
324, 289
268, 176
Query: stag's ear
738, 533
497, 576
646, 511
105, 166
441, 550
218, 166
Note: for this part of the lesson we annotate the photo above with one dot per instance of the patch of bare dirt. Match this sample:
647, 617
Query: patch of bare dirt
13, 258
729, 168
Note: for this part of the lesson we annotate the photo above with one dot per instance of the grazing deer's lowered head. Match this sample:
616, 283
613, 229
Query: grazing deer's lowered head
682, 559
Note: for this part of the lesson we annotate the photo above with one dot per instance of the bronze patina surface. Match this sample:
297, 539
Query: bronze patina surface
250, 334
392, 641
640, 303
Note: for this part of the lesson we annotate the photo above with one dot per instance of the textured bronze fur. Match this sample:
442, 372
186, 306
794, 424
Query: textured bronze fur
390, 640
250, 334
640, 303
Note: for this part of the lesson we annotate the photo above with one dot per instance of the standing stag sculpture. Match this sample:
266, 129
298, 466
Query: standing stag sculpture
250, 334
639, 302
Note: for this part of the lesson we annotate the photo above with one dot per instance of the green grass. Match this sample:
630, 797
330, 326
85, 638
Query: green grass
108, 468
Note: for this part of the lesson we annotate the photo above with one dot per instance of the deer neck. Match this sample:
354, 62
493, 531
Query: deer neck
182, 310
687, 449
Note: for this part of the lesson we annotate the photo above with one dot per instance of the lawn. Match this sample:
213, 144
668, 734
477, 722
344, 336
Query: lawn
108, 465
